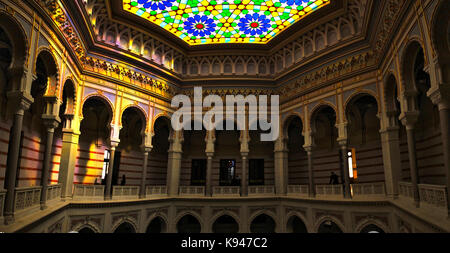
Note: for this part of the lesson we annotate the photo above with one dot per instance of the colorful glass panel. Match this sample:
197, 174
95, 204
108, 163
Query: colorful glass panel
231, 21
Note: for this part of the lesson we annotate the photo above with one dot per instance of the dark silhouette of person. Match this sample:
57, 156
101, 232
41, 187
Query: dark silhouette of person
124, 179
334, 179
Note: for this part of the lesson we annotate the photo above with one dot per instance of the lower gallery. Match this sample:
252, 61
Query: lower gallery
358, 95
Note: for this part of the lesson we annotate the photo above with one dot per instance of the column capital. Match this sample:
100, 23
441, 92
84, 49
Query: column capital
409, 119
147, 149
308, 148
343, 142
19, 101
244, 155
440, 96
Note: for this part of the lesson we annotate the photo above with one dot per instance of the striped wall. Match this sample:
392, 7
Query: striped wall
4, 142
131, 164
298, 168
369, 158
31, 159
89, 164
157, 169
325, 162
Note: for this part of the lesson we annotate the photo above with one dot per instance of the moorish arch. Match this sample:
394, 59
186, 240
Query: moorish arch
263, 223
362, 113
440, 36
225, 224
293, 131
18, 38
188, 224
296, 225
158, 157
125, 227
157, 225
329, 225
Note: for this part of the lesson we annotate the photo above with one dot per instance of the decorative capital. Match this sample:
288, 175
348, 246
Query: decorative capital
440, 96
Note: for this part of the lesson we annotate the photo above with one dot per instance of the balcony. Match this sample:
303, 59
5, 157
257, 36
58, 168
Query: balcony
433, 198
371, 190
261, 191
192, 191
298, 191
155, 191
89, 192
125, 192
53, 193
330, 191
226, 191
27, 200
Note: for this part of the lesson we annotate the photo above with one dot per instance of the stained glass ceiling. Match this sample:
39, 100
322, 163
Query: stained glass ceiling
230, 21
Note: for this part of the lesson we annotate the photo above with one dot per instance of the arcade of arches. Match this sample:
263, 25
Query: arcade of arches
85, 121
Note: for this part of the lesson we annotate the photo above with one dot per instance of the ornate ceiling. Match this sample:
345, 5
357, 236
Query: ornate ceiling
230, 21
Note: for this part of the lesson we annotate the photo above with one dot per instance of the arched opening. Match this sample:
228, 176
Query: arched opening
329, 227
125, 228
327, 158
365, 140
94, 147
156, 226
86, 230
225, 224
263, 224
129, 152
158, 157
296, 225
6, 58
427, 134
372, 229
298, 158
227, 162
261, 167
189, 225
194, 161
34, 132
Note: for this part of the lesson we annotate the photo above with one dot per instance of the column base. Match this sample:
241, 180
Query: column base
43, 206
8, 219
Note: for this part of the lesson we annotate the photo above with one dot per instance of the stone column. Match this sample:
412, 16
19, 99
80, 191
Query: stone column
244, 140
68, 159
281, 170
312, 187
441, 97
50, 125
174, 163
346, 173
244, 180
390, 144
23, 102
409, 120
144, 173
209, 192
108, 189
210, 141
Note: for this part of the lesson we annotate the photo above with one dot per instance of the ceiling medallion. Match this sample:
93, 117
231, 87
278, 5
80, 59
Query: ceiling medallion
230, 21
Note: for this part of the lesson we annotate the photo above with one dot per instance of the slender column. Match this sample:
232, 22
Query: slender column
444, 113
346, 174
409, 120
441, 97
13, 159
209, 174
51, 125
281, 173
144, 173
108, 190
174, 163
210, 142
390, 144
68, 160
244, 140
312, 187
244, 180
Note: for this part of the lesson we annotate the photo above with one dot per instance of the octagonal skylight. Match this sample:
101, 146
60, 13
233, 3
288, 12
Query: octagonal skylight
231, 21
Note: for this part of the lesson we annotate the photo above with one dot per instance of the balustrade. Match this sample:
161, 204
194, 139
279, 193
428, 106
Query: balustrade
368, 190
125, 192
226, 191
263, 190
192, 191
155, 190
89, 192
2, 201
298, 190
330, 191
27, 198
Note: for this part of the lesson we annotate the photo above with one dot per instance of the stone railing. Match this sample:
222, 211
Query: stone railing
54, 192
263, 190
125, 192
330, 191
89, 192
298, 190
433, 195
192, 191
372, 190
155, 190
405, 190
27, 198
226, 191
2, 201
